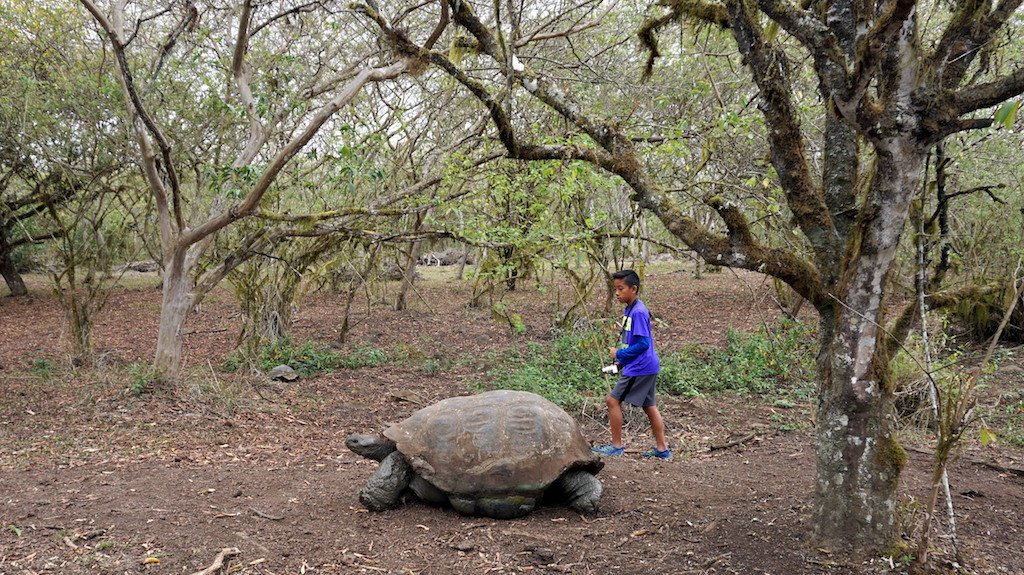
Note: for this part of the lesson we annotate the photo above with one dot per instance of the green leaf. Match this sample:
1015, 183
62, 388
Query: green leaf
1007, 114
986, 436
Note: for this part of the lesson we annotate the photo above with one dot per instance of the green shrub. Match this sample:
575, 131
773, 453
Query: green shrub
43, 366
364, 357
751, 362
306, 359
1011, 418
140, 378
566, 370
313, 357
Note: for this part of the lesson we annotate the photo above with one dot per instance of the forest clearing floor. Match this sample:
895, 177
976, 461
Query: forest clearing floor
97, 479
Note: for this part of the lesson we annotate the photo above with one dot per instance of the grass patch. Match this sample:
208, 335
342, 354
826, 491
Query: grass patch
43, 365
1008, 418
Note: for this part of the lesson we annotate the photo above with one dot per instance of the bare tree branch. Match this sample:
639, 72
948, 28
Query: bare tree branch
713, 13
769, 66
872, 47
149, 162
249, 204
537, 35
307, 7
188, 22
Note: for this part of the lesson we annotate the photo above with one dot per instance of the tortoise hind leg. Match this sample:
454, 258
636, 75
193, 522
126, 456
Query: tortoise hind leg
387, 483
582, 490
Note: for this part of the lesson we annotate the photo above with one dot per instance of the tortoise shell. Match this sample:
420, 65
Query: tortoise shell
495, 444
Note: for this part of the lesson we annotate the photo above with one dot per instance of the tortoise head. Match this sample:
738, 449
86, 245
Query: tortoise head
375, 447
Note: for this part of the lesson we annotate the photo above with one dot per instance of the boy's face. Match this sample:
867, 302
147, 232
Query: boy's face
624, 292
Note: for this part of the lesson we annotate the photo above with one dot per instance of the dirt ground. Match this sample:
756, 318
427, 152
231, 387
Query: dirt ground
94, 479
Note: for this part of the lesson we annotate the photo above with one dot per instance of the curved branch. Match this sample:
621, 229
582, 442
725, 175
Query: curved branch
963, 126
442, 23
740, 249
188, 22
710, 12
307, 7
990, 93
258, 133
568, 31
255, 195
770, 69
736, 223
896, 335
806, 27
617, 155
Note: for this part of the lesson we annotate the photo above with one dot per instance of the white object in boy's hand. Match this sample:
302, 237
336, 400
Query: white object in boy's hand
612, 369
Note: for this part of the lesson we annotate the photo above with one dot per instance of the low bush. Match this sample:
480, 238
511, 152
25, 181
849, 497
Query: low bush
762, 361
566, 370
314, 357
306, 359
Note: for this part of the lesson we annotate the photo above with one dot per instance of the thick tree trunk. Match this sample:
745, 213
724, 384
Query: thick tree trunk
7, 268
858, 457
177, 303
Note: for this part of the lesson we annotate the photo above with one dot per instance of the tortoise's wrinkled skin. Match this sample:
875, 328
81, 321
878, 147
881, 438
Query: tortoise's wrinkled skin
495, 454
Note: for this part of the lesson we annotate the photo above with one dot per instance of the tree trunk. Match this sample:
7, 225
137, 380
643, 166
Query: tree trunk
178, 300
409, 271
10, 272
462, 263
858, 457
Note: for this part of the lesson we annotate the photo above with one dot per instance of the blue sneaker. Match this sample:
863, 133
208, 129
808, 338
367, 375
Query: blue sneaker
667, 454
608, 449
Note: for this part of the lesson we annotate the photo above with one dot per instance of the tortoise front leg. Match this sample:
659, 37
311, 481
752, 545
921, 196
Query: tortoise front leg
582, 490
386, 484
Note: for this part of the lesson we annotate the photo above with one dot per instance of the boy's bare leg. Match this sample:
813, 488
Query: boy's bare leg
615, 420
657, 426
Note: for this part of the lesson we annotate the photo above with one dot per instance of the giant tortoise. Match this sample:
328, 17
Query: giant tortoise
495, 454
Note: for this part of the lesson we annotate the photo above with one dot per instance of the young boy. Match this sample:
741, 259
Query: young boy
639, 364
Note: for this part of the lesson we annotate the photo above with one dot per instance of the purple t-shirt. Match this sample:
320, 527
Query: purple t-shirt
636, 323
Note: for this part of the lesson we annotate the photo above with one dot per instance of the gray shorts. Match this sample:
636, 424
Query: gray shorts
636, 390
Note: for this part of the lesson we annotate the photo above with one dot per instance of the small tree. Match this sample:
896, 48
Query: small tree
281, 115
98, 237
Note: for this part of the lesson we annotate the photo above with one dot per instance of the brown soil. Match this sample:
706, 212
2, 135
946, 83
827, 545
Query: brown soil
94, 479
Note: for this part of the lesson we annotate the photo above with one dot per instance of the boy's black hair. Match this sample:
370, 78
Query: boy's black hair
629, 276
